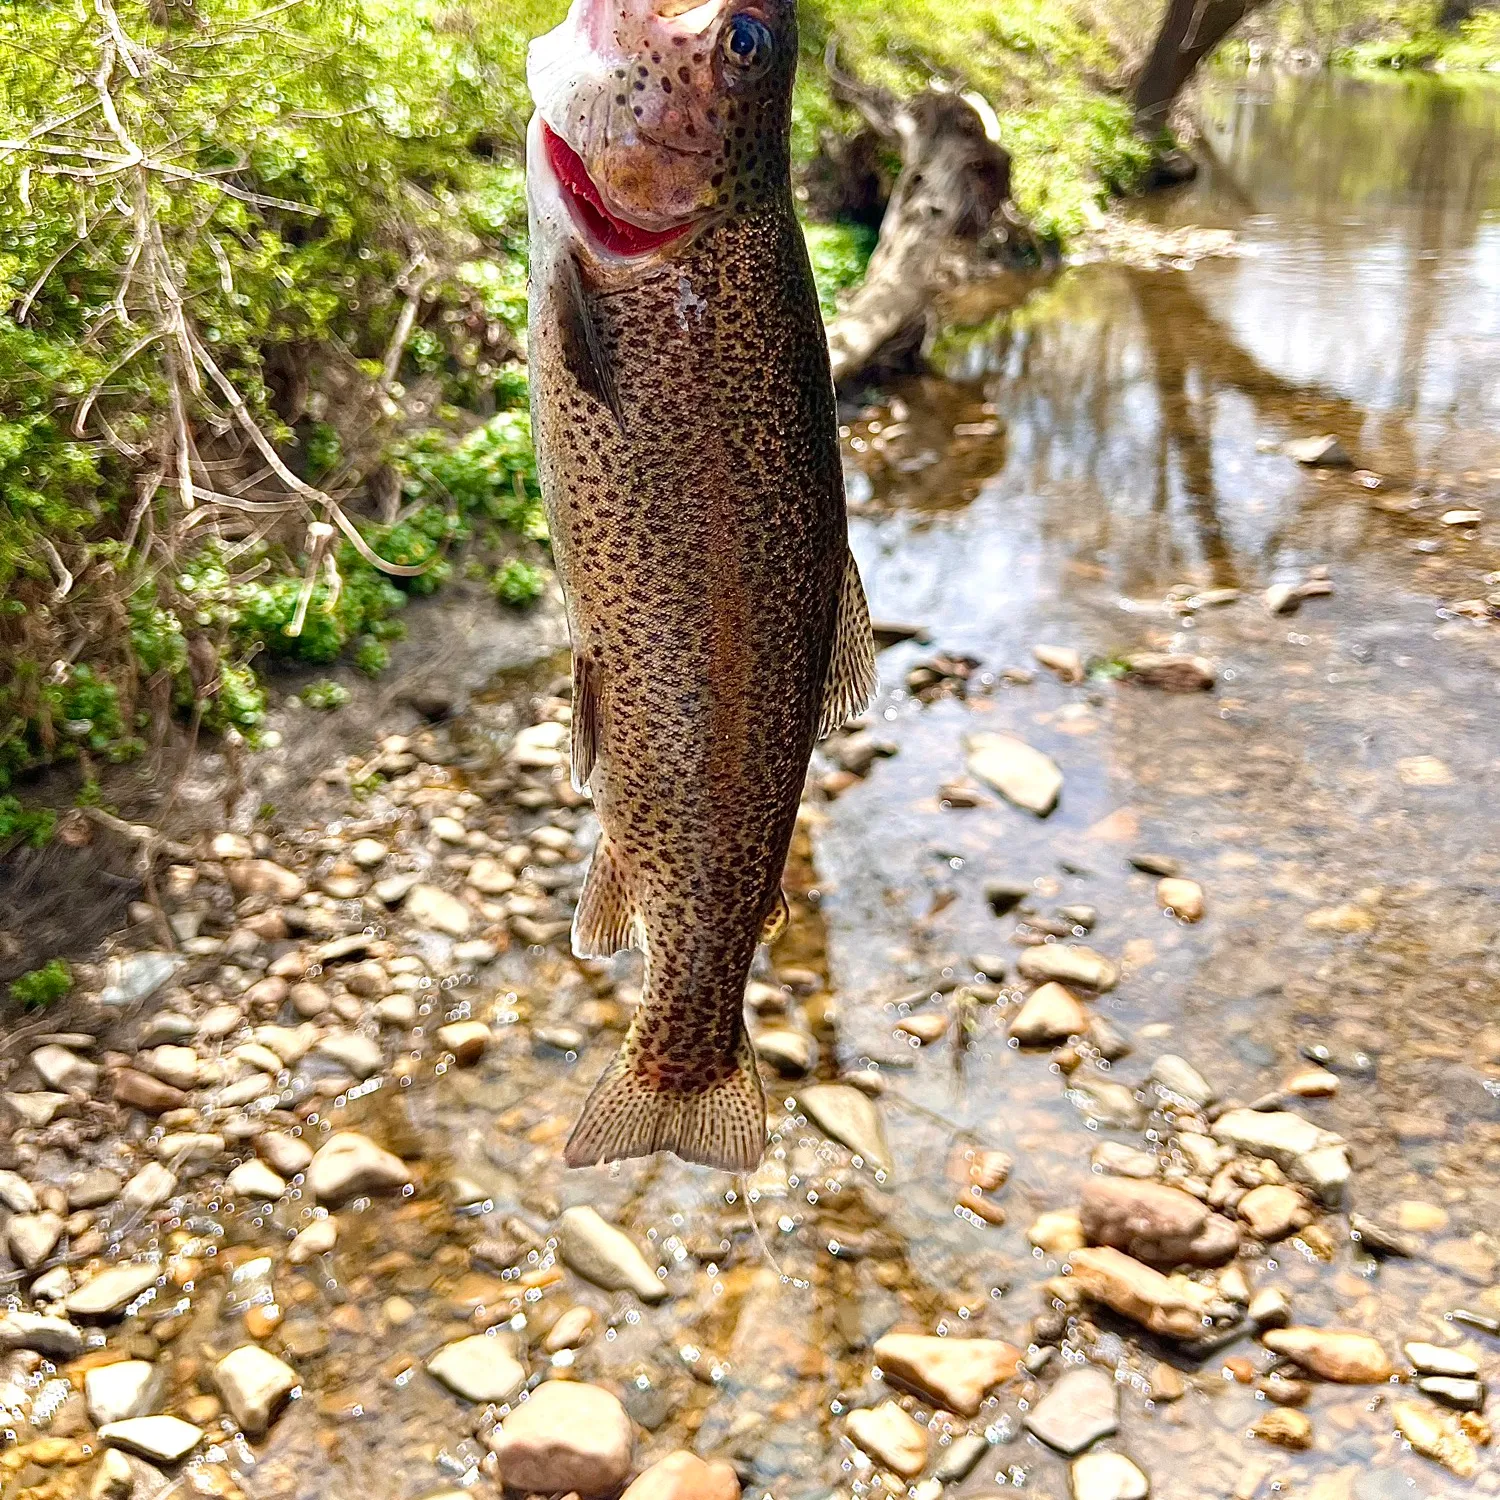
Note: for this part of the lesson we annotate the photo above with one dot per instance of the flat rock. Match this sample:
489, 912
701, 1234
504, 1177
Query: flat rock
351, 1165
607, 1256
1169, 1305
1322, 452
482, 1369
355, 1054
684, 1476
255, 1385
1436, 1437
1272, 1212
137, 976
114, 1479
254, 1179
1172, 672
852, 1118
65, 1071
953, 1373
1068, 963
17, 1194
1450, 1390
1152, 1222
117, 1392
892, 1438
1285, 1428
432, 906
264, 877
1436, 1359
37, 1108
1081, 1408
1049, 1015
1022, 775
1057, 1232
1303, 1150
565, 1436
466, 1040
55, 1337
165, 1440
789, 1052
490, 878
1341, 1355
961, 1457
93, 1187
1183, 898
33, 1237
288, 1154
317, 1239
1107, 1476
1175, 1075
1112, 1105
149, 1188
108, 1294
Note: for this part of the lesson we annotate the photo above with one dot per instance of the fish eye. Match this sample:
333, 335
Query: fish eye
748, 42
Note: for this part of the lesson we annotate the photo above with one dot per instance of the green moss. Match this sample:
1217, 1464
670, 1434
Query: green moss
325, 695
518, 583
25, 825
41, 987
840, 256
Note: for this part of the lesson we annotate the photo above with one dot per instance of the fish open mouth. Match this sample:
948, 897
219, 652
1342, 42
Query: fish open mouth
617, 235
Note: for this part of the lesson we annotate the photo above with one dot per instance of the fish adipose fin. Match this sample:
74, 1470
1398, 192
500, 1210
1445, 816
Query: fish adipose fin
605, 921
583, 349
851, 668
630, 1113
776, 919
585, 719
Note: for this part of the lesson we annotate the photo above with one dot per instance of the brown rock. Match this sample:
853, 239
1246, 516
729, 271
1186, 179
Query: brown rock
143, 1092
682, 1476
1286, 1428
264, 877
1336, 1354
953, 1373
890, 1437
567, 1436
1171, 1306
1274, 1212
1160, 1225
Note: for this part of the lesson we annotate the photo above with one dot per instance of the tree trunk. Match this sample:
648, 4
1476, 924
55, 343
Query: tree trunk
1190, 30
949, 220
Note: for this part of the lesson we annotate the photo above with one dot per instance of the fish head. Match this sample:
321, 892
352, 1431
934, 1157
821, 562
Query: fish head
656, 117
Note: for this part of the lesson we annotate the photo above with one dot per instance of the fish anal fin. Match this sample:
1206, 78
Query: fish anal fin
851, 667
585, 719
583, 348
776, 919
605, 921
631, 1113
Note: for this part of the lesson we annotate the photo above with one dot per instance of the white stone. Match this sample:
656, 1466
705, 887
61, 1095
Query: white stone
149, 1188
565, 1436
1019, 773
351, 1165
254, 1179
607, 1256
1068, 963
64, 1071
851, 1118
163, 1439
254, 1385
33, 1237
317, 1239
356, 1054
113, 1290
115, 1393
481, 1369
1107, 1476
1080, 1409
890, 1437
431, 906
17, 1194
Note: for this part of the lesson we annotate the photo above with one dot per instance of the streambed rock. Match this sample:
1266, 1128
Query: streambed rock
1081, 1408
482, 1368
1305, 1151
954, 1373
607, 1256
1022, 775
1107, 1476
1341, 1355
1171, 1306
351, 1165
684, 1476
565, 1436
890, 1437
255, 1385
851, 1118
1068, 963
1152, 1222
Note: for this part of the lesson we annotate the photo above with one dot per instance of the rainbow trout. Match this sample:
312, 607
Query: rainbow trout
687, 441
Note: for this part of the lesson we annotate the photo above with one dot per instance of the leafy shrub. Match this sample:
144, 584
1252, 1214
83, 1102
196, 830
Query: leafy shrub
518, 583
41, 987
325, 695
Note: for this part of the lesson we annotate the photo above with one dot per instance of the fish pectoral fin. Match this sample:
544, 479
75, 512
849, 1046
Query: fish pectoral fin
583, 348
721, 1123
851, 667
606, 919
774, 923
585, 719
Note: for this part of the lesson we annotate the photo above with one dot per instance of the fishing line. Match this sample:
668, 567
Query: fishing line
742, 1181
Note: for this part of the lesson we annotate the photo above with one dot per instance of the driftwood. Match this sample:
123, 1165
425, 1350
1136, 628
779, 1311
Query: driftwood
949, 220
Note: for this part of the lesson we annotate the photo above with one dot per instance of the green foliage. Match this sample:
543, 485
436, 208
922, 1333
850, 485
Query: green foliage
840, 255
325, 695
41, 987
372, 656
518, 583
25, 825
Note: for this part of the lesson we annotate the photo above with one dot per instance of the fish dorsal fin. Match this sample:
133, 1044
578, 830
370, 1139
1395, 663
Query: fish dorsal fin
776, 919
851, 668
583, 349
585, 719
605, 921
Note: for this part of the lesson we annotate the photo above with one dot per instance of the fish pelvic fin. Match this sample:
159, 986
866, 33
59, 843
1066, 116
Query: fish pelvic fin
631, 1112
606, 920
775, 921
585, 719
851, 668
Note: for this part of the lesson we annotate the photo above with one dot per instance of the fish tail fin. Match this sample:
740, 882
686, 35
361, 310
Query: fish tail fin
630, 1113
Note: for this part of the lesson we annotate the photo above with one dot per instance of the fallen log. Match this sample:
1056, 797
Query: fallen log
949, 221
